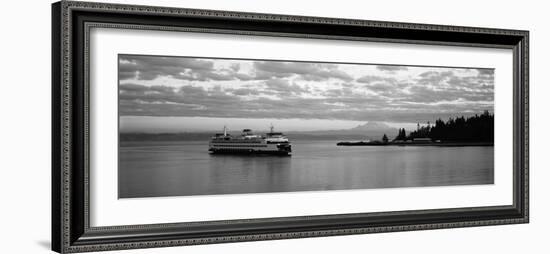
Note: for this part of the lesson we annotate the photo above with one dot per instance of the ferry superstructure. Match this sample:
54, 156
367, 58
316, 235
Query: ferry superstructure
250, 143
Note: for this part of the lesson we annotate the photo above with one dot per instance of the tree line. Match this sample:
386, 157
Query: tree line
478, 128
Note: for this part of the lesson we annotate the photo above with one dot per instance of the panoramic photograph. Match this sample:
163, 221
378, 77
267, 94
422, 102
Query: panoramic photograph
210, 126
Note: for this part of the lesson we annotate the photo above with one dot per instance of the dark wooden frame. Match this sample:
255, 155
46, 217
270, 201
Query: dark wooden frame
71, 22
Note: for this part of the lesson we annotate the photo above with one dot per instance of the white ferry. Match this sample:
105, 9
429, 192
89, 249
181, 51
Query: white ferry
250, 143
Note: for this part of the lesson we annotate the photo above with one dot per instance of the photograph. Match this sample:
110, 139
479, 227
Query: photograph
208, 126
230, 125
236, 125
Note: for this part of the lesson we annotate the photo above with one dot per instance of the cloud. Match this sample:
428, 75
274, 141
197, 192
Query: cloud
369, 79
191, 69
308, 71
244, 92
486, 71
283, 87
182, 86
148, 68
391, 68
384, 86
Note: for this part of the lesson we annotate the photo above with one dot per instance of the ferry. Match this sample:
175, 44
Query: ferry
250, 143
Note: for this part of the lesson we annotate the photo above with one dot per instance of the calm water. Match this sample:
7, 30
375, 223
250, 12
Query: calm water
151, 169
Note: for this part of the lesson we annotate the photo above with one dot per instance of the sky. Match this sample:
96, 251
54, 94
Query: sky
171, 94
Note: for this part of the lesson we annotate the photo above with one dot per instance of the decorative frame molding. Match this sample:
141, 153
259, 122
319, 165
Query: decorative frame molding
71, 22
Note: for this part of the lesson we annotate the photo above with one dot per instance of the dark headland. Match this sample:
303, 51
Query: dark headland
477, 130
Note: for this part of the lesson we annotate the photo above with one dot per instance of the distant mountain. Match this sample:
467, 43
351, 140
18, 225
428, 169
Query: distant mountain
369, 130
372, 126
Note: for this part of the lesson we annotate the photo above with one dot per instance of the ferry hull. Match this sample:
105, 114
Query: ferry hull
276, 149
248, 152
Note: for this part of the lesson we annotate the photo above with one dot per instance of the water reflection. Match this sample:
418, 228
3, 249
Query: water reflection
148, 169
261, 173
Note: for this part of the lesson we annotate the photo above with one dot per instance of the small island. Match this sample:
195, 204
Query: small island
477, 130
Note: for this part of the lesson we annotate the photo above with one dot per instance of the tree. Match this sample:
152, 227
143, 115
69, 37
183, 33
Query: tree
401, 135
477, 128
385, 138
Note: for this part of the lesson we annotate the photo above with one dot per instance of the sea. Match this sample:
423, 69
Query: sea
184, 168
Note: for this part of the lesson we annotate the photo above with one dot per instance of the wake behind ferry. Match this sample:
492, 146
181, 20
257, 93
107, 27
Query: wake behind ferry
250, 143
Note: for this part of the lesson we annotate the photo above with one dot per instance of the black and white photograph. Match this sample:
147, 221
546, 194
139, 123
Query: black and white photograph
236, 125
208, 126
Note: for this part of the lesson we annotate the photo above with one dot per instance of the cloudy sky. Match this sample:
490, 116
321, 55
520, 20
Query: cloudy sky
186, 93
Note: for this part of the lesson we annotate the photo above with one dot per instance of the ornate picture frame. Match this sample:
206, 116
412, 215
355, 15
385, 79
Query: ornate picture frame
71, 229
